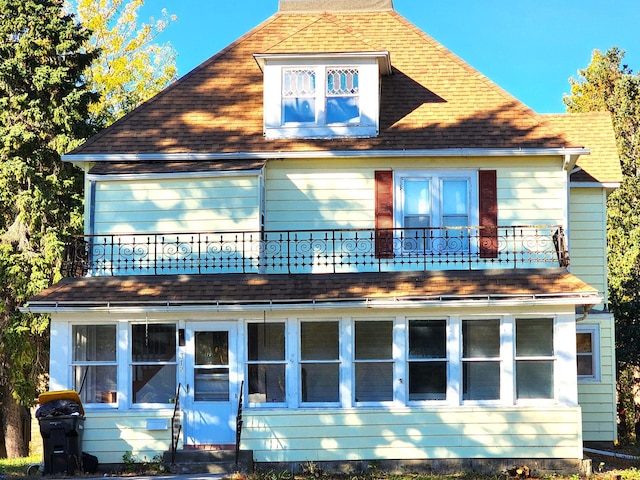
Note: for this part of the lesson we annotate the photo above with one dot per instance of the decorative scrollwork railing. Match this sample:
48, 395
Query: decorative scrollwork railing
318, 251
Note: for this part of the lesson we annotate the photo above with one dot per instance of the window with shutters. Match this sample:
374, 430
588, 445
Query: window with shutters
434, 210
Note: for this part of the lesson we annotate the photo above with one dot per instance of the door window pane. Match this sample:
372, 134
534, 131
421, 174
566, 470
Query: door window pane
212, 348
211, 377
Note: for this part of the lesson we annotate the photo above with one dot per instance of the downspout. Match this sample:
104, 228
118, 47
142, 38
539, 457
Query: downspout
566, 166
91, 220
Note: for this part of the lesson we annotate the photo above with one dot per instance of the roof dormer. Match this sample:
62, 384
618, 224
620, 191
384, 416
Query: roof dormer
322, 95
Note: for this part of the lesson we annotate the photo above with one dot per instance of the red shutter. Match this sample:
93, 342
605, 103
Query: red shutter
384, 214
488, 206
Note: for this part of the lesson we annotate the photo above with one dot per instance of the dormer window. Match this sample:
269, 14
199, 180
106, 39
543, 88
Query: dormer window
322, 96
331, 99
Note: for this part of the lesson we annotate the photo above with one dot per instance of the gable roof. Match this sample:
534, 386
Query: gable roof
432, 99
284, 291
593, 130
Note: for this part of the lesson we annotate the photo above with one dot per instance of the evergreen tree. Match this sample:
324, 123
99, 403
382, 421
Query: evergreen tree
607, 84
43, 111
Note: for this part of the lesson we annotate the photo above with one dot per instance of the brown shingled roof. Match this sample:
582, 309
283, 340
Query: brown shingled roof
257, 289
593, 130
432, 99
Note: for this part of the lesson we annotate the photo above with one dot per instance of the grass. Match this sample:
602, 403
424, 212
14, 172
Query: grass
17, 467
605, 468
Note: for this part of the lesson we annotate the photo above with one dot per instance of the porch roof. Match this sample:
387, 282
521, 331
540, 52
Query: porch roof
401, 289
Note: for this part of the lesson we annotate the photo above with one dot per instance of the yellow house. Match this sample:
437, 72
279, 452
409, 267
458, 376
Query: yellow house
335, 241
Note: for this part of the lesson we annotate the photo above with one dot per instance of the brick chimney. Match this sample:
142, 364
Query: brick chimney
292, 6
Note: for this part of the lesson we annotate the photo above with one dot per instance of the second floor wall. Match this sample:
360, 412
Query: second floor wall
429, 207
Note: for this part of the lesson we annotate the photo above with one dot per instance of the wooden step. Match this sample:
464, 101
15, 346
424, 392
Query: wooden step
209, 461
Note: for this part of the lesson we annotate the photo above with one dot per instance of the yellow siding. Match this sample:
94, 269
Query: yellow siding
587, 228
178, 205
310, 194
497, 432
108, 435
598, 398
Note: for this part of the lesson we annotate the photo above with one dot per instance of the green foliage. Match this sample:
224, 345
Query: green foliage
133, 464
43, 112
131, 67
623, 237
607, 84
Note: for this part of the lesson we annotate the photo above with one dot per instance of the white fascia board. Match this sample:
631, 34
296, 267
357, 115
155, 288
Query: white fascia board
271, 155
365, 303
605, 185
382, 58
173, 176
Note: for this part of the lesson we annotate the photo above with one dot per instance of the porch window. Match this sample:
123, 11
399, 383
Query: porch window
534, 358
319, 361
95, 363
266, 362
427, 360
481, 359
587, 348
373, 361
153, 362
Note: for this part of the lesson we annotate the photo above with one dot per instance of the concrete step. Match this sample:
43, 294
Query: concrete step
209, 461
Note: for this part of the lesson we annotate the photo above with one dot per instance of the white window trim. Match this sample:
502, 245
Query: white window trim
369, 97
554, 358
562, 357
119, 389
594, 330
129, 389
450, 345
435, 176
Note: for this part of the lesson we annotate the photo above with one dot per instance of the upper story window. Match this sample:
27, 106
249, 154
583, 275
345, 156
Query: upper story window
322, 96
435, 209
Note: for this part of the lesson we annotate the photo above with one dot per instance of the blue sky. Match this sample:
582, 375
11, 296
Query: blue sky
528, 47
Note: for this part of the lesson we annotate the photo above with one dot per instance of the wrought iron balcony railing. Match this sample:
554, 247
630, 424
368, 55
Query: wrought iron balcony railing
319, 251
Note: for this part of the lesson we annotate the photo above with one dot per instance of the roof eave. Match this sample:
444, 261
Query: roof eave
513, 300
443, 152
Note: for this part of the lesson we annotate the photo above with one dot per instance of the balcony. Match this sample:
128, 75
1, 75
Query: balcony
318, 251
